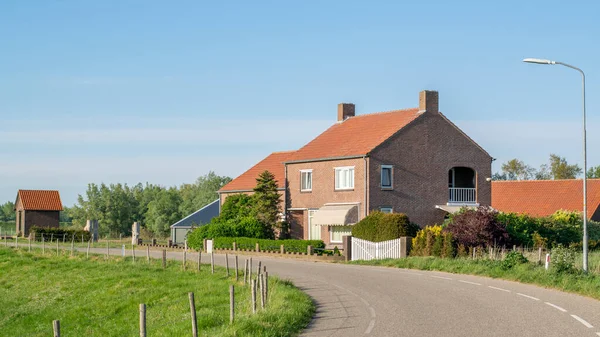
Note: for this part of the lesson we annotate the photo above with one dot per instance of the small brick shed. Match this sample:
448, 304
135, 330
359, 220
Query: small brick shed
39, 208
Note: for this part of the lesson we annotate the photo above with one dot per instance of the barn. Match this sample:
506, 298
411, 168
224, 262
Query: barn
40, 208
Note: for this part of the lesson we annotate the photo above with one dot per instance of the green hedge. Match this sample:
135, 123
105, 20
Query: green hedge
378, 226
59, 233
294, 246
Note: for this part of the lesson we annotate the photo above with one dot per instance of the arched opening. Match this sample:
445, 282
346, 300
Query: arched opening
461, 185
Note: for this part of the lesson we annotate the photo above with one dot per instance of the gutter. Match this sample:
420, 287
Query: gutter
323, 159
240, 191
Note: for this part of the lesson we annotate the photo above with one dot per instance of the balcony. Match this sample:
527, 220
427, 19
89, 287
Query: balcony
462, 195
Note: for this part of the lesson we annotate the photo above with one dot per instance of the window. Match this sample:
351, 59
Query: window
305, 180
338, 232
344, 178
386, 177
386, 210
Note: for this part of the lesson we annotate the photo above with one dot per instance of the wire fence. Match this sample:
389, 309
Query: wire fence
245, 280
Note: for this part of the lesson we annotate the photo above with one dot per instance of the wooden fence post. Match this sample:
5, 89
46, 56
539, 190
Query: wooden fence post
82, 238
257, 248
212, 263
250, 270
56, 326
148, 254
184, 259
133, 252
87, 252
245, 271
236, 268
262, 290
231, 304
16, 241
539, 255
253, 292
142, 320
164, 258
282, 249
258, 268
266, 276
227, 264
56, 247
199, 259
193, 313
43, 245
72, 245
29, 244
107, 249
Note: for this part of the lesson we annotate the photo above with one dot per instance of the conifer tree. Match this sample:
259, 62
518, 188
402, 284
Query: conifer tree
267, 199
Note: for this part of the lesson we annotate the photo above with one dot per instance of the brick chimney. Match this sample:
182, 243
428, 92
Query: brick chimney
428, 101
345, 110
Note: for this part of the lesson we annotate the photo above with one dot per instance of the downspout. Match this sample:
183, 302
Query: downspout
366, 185
285, 194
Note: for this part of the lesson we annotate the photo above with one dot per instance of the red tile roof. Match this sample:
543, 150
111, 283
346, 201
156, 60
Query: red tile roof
39, 200
272, 163
356, 136
544, 197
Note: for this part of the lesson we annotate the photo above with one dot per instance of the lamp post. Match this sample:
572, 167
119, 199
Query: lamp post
585, 236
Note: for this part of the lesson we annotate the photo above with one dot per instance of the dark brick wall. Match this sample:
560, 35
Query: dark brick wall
40, 219
422, 153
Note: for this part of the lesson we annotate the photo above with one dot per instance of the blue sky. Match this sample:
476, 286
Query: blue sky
130, 91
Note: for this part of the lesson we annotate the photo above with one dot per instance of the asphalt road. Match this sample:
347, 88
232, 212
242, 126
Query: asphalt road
375, 301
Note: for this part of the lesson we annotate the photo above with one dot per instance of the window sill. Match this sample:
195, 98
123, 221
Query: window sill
343, 189
305, 191
336, 242
387, 188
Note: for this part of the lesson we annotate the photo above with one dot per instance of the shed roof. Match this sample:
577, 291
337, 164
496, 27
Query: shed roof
39, 200
544, 197
199, 217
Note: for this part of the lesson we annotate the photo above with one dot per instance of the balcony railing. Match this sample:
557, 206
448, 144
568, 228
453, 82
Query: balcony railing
462, 195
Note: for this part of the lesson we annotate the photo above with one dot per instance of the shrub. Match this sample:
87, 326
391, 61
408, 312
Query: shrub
432, 241
480, 227
248, 227
520, 228
294, 246
378, 226
563, 259
68, 234
513, 258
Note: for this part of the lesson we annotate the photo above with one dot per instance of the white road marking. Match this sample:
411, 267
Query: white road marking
582, 321
499, 289
473, 283
531, 297
556, 306
441, 277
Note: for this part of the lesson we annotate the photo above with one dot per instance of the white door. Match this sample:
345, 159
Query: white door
314, 231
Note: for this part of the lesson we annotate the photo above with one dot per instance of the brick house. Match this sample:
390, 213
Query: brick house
544, 197
413, 161
37, 208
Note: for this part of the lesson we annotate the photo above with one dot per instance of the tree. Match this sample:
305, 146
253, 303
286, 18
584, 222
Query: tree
201, 193
517, 170
499, 176
7, 212
163, 211
543, 173
267, 199
594, 172
560, 169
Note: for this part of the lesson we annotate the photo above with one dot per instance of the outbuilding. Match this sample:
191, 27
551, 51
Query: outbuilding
40, 208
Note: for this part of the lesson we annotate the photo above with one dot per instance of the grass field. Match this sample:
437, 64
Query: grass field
96, 297
587, 285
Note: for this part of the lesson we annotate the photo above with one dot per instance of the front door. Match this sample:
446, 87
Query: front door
314, 231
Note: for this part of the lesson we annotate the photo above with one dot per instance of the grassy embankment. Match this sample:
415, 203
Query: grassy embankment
97, 297
577, 282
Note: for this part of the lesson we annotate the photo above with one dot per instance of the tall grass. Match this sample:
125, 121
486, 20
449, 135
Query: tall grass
96, 297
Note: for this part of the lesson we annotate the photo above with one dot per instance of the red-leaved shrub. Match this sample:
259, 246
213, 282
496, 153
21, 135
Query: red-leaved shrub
478, 227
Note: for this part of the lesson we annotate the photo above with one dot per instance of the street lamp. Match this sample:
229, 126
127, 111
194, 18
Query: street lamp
585, 236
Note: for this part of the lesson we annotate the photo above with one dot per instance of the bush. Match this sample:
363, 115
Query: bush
248, 227
521, 228
378, 226
480, 227
68, 234
513, 258
432, 241
294, 246
563, 259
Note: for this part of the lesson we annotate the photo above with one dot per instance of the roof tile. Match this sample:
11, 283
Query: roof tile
544, 197
40, 200
272, 163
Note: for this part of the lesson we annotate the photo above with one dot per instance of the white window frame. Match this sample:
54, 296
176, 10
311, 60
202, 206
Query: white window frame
341, 237
386, 209
336, 180
391, 168
302, 172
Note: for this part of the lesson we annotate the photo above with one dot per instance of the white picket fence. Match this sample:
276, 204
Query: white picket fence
367, 250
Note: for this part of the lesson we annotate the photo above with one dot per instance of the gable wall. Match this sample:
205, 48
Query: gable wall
422, 153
